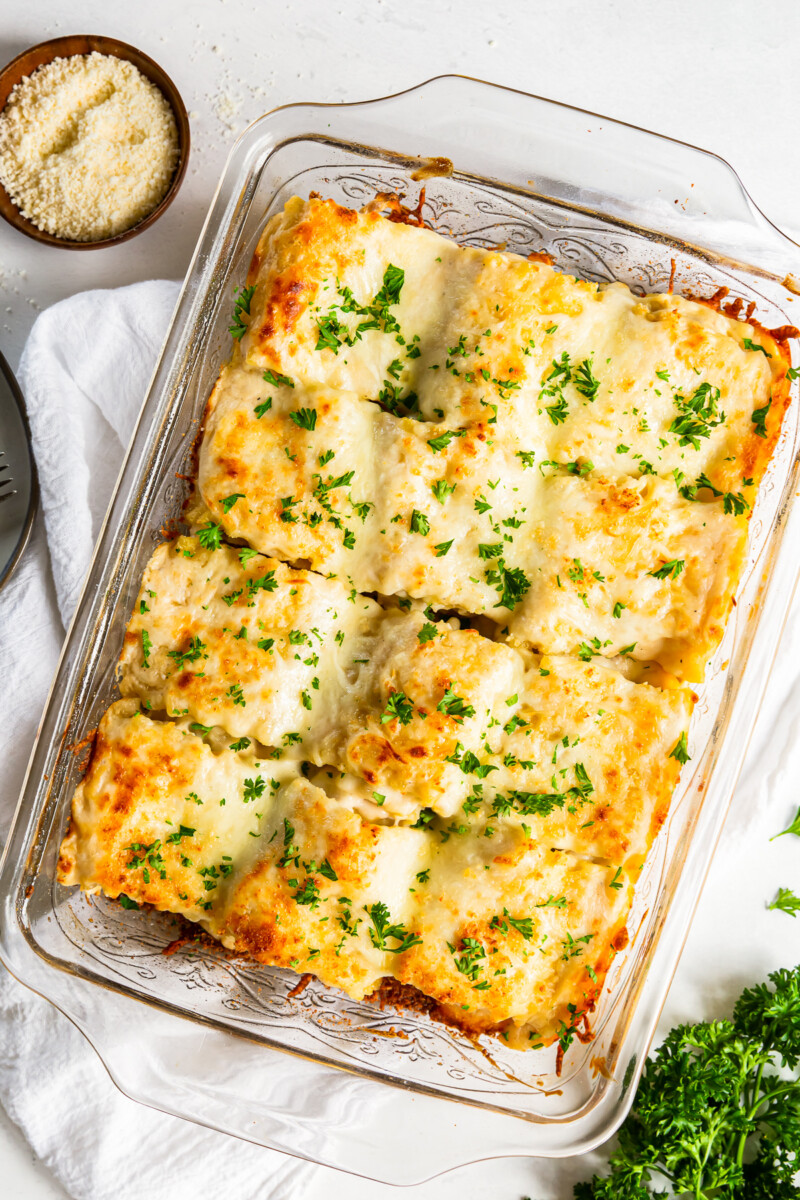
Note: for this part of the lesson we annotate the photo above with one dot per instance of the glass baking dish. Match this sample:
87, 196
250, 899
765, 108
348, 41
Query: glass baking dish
220, 1040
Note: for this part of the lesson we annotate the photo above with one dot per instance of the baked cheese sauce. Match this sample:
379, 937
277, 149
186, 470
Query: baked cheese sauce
413, 698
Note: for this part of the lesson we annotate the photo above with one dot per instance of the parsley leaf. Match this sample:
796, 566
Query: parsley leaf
241, 309
793, 828
698, 415
668, 570
468, 958
584, 381
398, 706
759, 419
210, 536
749, 344
229, 501
444, 439
441, 490
277, 380
786, 901
419, 523
384, 928
453, 705
306, 418
196, 650
680, 751
511, 583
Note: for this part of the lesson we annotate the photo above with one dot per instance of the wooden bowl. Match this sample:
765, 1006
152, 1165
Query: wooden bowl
64, 47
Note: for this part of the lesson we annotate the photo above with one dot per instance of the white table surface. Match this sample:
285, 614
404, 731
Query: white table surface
721, 74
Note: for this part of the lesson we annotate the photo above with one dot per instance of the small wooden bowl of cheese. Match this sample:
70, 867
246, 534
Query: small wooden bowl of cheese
94, 142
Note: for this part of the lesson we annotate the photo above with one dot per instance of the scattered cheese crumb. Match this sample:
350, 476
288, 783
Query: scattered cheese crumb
88, 147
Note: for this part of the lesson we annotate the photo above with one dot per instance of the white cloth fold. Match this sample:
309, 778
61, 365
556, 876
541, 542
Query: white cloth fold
84, 373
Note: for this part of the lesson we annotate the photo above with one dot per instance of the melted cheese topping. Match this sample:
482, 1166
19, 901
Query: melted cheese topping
357, 786
426, 716
468, 329
271, 865
563, 562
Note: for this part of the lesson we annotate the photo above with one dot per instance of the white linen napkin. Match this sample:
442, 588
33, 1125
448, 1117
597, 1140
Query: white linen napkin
84, 373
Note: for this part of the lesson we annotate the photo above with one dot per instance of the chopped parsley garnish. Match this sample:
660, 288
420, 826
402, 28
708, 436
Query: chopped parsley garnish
453, 705
523, 925
699, 414
669, 570
262, 408
441, 490
327, 870
277, 380
253, 788
689, 490
183, 831
759, 419
511, 583
146, 856
427, 633
384, 928
584, 381
419, 523
333, 333
308, 893
241, 309
147, 646
229, 501
468, 958
680, 751
441, 548
240, 744
573, 947
210, 536
749, 344
558, 411
291, 852
444, 439
195, 651
306, 418
398, 706
734, 503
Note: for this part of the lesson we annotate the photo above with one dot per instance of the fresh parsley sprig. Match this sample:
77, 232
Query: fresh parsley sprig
717, 1113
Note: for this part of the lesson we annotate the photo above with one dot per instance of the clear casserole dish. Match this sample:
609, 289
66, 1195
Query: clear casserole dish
302, 1073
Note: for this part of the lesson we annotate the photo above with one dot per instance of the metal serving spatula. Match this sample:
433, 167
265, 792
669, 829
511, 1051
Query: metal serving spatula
18, 487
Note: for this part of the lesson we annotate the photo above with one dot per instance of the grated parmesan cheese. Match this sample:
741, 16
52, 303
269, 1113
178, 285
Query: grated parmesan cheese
88, 147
